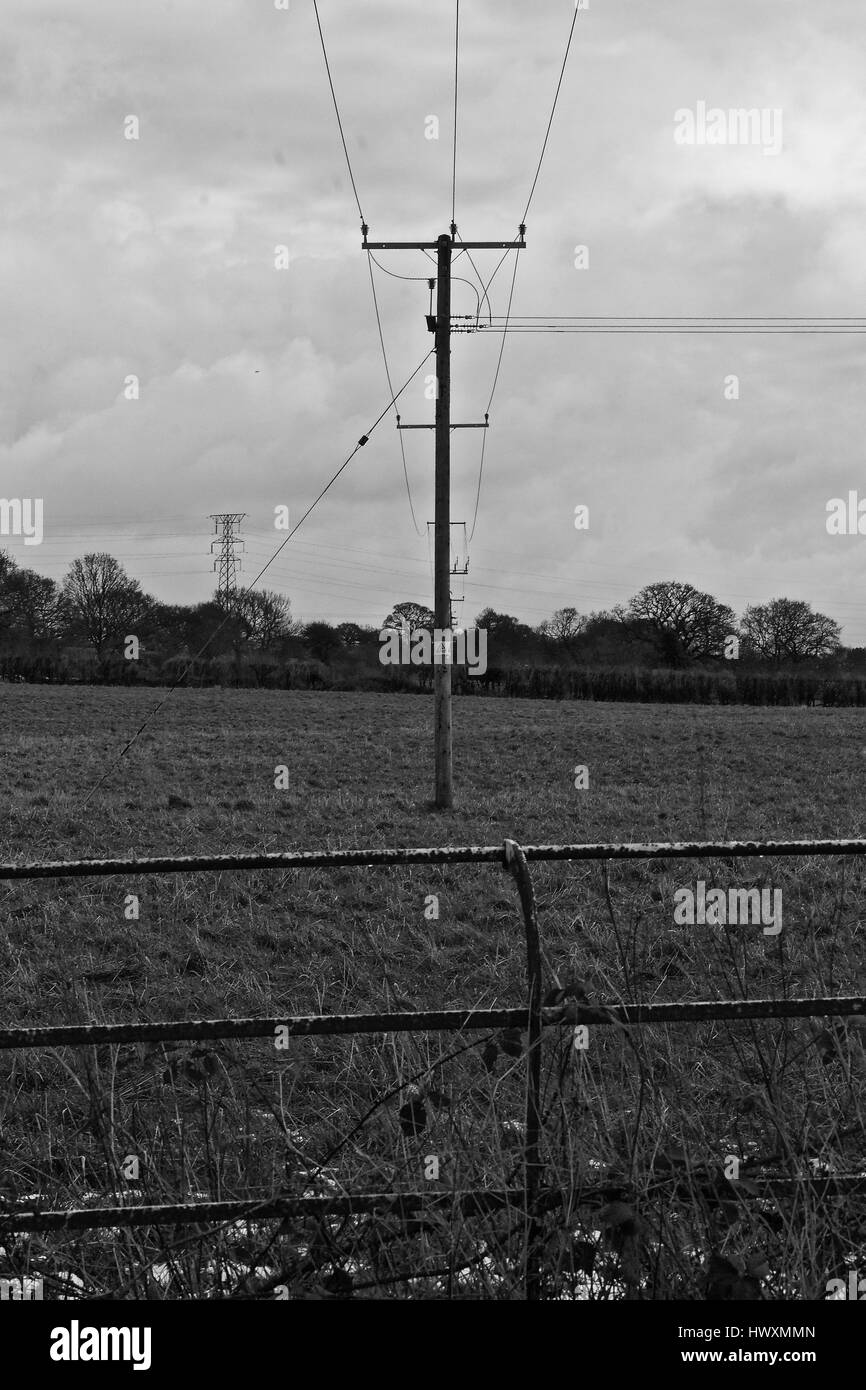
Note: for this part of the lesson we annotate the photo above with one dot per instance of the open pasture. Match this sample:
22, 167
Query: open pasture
247, 1120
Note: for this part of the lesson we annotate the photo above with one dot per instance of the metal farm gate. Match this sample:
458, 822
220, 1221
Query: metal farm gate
531, 1198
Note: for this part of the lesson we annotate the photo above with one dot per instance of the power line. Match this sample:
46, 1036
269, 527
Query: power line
316, 547
460, 253
337, 110
372, 280
700, 332
130, 555
459, 278
478, 489
552, 110
360, 444
393, 272
666, 323
618, 569
454, 164
576, 587
703, 318
391, 389
505, 329
560, 585
462, 281
484, 288
492, 393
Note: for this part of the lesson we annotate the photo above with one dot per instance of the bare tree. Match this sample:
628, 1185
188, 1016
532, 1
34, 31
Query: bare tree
415, 614
104, 599
33, 605
321, 638
563, 626
352, 634
265, 615
684, 623
788, 630
7, 568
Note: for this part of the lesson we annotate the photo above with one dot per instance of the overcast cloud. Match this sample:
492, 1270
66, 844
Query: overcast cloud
156, 257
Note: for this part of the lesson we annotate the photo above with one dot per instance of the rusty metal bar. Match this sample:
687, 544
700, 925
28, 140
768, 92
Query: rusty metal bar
470, 1202
517, 866
433, 1021
473, 1202
298, 859
449, 854
442, 1020
696, 849
708, 1010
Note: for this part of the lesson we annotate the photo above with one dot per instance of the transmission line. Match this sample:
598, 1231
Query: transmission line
337, 110
492, 394
386, 271
454, 164
484, 288
803, 331
663, 323
391, 389
506, 327
552, 110
504, 331
696, 318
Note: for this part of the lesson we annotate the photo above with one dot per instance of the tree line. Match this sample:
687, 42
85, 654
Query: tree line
79, 630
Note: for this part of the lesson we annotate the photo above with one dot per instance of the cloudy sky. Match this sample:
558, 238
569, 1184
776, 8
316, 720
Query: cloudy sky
156, 257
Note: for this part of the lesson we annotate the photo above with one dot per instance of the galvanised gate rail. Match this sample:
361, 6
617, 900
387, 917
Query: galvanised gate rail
534, 1018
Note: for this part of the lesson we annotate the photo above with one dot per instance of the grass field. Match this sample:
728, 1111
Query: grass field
246, 1120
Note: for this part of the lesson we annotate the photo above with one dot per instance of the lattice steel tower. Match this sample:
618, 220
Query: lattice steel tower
227, 562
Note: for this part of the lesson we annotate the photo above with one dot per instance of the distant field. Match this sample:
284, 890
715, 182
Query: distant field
242, 1119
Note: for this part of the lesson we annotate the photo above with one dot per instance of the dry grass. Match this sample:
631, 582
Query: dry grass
246, 1120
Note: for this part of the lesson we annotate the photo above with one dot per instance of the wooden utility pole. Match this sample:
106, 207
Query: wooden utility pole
442, 526
441, 327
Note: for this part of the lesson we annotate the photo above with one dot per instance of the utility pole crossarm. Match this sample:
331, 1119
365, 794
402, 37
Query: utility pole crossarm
482, 426
518, 245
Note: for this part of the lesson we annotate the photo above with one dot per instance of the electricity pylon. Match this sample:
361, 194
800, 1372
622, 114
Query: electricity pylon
227, 562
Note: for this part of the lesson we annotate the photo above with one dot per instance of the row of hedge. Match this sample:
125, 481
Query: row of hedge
693, 686
669, 687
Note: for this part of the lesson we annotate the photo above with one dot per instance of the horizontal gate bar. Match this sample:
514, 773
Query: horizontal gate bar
298, 1026
471, 1202
464, 854
440, 1020
388, 1203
